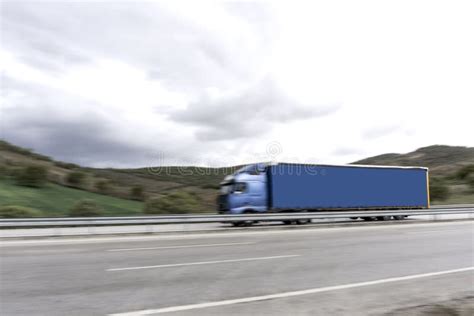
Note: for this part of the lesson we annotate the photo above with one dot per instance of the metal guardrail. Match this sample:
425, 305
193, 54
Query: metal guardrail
214, 218
452, 206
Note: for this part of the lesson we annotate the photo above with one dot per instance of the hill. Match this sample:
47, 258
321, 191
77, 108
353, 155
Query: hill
442, 160
201, 183
115, 190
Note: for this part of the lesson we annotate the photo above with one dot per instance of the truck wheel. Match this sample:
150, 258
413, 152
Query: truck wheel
383, 218
399, 217
242, 223
368, 218
353, 218
303, 221
248, 223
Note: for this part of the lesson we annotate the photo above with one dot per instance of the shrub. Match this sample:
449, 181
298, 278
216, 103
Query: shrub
173, 203
470, 183
465, 171
3, 172
13, 171
136, 193
75, 178
85, 207
14, 211
103, 186
31, 176
439, 191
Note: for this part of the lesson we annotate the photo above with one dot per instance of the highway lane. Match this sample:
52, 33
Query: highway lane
114, 275
400, 298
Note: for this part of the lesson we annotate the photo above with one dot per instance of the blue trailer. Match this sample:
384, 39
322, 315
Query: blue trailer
290, 187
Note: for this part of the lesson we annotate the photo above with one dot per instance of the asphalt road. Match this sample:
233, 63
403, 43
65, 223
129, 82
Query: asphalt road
350, 270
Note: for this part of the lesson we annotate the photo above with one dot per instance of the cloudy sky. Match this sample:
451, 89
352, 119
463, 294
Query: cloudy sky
121, 83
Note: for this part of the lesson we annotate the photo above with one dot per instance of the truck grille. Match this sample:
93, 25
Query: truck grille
222, 205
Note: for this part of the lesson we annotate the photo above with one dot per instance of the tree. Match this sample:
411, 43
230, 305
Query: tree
137, 193
75, 178
34, 176
85, 207
173, 203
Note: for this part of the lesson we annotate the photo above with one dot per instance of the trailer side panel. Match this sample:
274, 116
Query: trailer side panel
296, 186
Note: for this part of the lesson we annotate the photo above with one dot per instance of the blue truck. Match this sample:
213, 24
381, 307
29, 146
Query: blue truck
291, 187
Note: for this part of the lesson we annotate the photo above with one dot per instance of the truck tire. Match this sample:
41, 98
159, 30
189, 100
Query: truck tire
368, 218
295, 222
303, 221
383, 218
242, 223
399, 217
249, 223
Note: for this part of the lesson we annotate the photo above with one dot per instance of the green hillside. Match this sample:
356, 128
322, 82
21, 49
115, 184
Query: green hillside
201, 183
442, 160
56, 200
154, 180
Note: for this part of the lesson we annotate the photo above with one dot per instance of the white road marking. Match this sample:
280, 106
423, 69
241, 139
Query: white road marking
434, 231
88, 240
201, 263
287, 294
181, 246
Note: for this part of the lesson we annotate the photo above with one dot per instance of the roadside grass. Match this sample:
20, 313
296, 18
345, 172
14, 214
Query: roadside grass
459, 193
56, 200
458, 198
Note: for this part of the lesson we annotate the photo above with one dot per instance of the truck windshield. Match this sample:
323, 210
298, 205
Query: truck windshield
226, 188
240, 187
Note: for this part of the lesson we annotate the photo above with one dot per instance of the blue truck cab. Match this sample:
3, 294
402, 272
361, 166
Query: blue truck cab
245, 191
